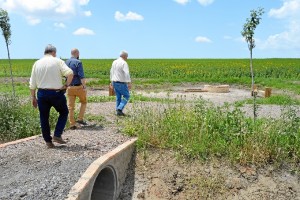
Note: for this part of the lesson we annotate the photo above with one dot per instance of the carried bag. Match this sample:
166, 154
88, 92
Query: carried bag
111, 91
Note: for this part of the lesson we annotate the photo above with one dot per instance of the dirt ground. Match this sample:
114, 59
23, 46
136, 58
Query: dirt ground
163, 175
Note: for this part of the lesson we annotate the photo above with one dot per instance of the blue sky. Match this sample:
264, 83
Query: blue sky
151, 28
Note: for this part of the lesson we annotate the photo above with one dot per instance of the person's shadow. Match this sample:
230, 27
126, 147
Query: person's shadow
92, 127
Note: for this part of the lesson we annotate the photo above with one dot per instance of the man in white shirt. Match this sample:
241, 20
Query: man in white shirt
46, 76
120, 80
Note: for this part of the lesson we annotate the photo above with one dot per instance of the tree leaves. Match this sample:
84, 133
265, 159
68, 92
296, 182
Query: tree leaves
250, 26
5, 25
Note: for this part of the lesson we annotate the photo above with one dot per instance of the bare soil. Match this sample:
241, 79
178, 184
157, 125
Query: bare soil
162, 175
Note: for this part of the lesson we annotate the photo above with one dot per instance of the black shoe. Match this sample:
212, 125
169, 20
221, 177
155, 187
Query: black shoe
73, 127
82, 122
120, 113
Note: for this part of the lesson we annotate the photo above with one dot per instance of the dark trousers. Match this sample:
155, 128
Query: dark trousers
46, 100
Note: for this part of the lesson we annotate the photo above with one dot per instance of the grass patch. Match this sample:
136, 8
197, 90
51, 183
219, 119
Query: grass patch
204, 131
206, 187
133, 98
99, 119
141, 98
21, 89
273, 100
100, 99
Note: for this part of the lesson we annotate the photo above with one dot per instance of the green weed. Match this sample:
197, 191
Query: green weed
18, 119
275, 100
205, 131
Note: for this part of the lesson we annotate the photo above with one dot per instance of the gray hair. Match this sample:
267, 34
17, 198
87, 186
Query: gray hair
123, 53
49, 49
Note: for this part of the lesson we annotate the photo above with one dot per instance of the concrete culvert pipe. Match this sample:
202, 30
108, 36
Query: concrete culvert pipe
105, 185
104, 178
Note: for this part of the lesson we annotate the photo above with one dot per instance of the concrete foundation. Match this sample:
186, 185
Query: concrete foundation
216, 88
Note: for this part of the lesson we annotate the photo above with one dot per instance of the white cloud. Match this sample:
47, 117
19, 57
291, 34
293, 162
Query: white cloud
83, 31
205, 2
28, 6
202, 39
66, 7
37, 10
182, 2
129, 16
289, 8
289, 38
59, 25
83, 2
88, 13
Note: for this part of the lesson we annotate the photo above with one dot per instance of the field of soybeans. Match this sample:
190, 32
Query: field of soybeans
277, 73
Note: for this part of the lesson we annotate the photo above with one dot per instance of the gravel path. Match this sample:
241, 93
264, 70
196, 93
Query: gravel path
31, 171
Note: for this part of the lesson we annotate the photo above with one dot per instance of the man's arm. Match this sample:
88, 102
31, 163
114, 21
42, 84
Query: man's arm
81, 75
111, 71
127, 75
69, 80
67, 72
32, 86
83, 82
33, 98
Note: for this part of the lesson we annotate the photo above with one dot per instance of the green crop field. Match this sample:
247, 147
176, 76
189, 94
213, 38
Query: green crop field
277, 73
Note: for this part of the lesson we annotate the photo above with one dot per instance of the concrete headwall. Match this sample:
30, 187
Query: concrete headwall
105, 176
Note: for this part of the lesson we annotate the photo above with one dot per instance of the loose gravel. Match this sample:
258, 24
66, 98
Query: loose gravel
31, 171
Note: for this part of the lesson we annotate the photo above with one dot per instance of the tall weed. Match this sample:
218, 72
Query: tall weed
202, 130
19, 119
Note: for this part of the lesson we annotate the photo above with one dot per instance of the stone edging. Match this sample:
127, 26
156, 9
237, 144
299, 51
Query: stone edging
18, 141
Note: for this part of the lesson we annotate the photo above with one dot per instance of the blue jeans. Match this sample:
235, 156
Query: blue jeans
122, 95
46, 100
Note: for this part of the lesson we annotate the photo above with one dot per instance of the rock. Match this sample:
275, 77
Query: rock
23, 194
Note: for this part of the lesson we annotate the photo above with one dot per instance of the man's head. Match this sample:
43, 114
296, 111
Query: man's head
50, 49
124, 55
75, 53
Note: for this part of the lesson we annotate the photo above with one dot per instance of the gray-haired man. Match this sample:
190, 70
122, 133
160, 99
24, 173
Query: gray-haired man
46, 76
120, 80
